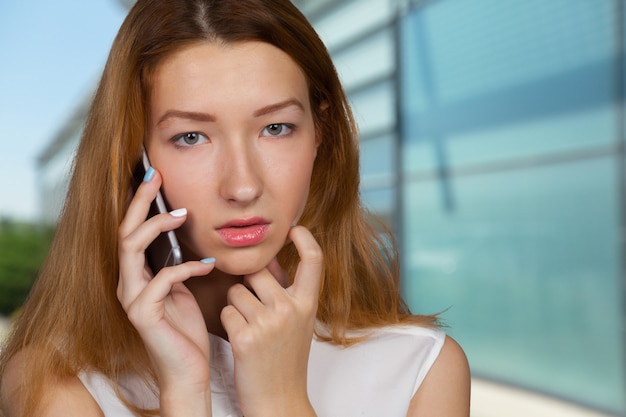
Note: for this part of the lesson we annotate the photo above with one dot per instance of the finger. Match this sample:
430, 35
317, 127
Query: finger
136, 242
245, 302
234, 323
132, 259
279, 273
149, 301
139, 206
161, 286
265, 286
135, 234
308, 276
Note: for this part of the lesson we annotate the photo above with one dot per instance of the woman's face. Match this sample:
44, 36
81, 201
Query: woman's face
233, 137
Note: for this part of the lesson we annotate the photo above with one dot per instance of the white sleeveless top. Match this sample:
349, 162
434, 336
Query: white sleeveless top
373, 378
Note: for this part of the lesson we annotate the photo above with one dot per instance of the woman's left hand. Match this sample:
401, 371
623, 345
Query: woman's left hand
271, 334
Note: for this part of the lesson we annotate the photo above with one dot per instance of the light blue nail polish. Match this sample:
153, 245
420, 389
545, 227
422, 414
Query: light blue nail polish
149, 174
208, 260
293, 225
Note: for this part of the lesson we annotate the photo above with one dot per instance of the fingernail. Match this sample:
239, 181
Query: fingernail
179, 212
149, 174
293, 225
207, 260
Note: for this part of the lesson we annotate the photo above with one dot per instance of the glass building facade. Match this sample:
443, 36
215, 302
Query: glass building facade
492, 140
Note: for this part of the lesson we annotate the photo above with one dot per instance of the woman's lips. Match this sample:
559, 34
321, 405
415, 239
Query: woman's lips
243, 232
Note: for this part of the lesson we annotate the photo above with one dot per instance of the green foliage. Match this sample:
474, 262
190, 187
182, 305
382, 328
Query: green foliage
23, 248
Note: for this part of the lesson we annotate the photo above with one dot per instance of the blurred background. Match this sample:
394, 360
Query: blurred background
493, 145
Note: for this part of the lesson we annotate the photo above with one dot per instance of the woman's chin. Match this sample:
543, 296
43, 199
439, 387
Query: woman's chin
239, 267
236, 261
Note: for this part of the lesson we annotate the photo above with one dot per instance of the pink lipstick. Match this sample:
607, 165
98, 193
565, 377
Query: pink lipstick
243, 232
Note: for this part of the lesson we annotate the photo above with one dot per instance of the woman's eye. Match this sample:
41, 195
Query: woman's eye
277, 129
189, 139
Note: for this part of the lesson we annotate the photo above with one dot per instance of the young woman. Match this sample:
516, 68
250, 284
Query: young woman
253, 144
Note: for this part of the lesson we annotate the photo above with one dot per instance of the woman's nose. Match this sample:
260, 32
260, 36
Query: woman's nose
241, 177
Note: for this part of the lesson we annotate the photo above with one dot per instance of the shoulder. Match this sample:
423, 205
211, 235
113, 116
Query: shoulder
446, 388
405, 333
423, 344
66, 397
405, 353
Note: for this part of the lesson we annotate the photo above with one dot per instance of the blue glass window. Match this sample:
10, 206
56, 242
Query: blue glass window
511, 133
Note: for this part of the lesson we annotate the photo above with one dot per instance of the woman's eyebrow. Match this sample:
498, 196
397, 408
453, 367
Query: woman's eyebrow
189, 115
207, 117
278, 106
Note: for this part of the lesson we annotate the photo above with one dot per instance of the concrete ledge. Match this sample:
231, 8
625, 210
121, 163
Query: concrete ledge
493, 400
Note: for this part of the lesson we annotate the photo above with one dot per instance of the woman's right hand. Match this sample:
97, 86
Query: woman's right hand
162, 309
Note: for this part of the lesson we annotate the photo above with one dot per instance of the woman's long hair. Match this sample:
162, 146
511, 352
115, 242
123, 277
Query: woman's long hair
72, 319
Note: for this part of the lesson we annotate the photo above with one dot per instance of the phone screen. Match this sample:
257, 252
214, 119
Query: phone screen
165, 249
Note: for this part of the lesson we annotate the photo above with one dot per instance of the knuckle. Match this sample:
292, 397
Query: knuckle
284, 308
313, 254
134, 313
226, 313
263, 323
244, 341
127, 244
235, 291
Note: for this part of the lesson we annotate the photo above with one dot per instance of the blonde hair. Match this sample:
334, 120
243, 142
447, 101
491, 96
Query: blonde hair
73, 320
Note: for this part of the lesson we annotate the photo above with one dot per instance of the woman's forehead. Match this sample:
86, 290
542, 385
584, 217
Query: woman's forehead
211, 73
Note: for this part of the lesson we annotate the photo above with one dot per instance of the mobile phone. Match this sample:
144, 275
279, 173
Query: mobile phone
165, 249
